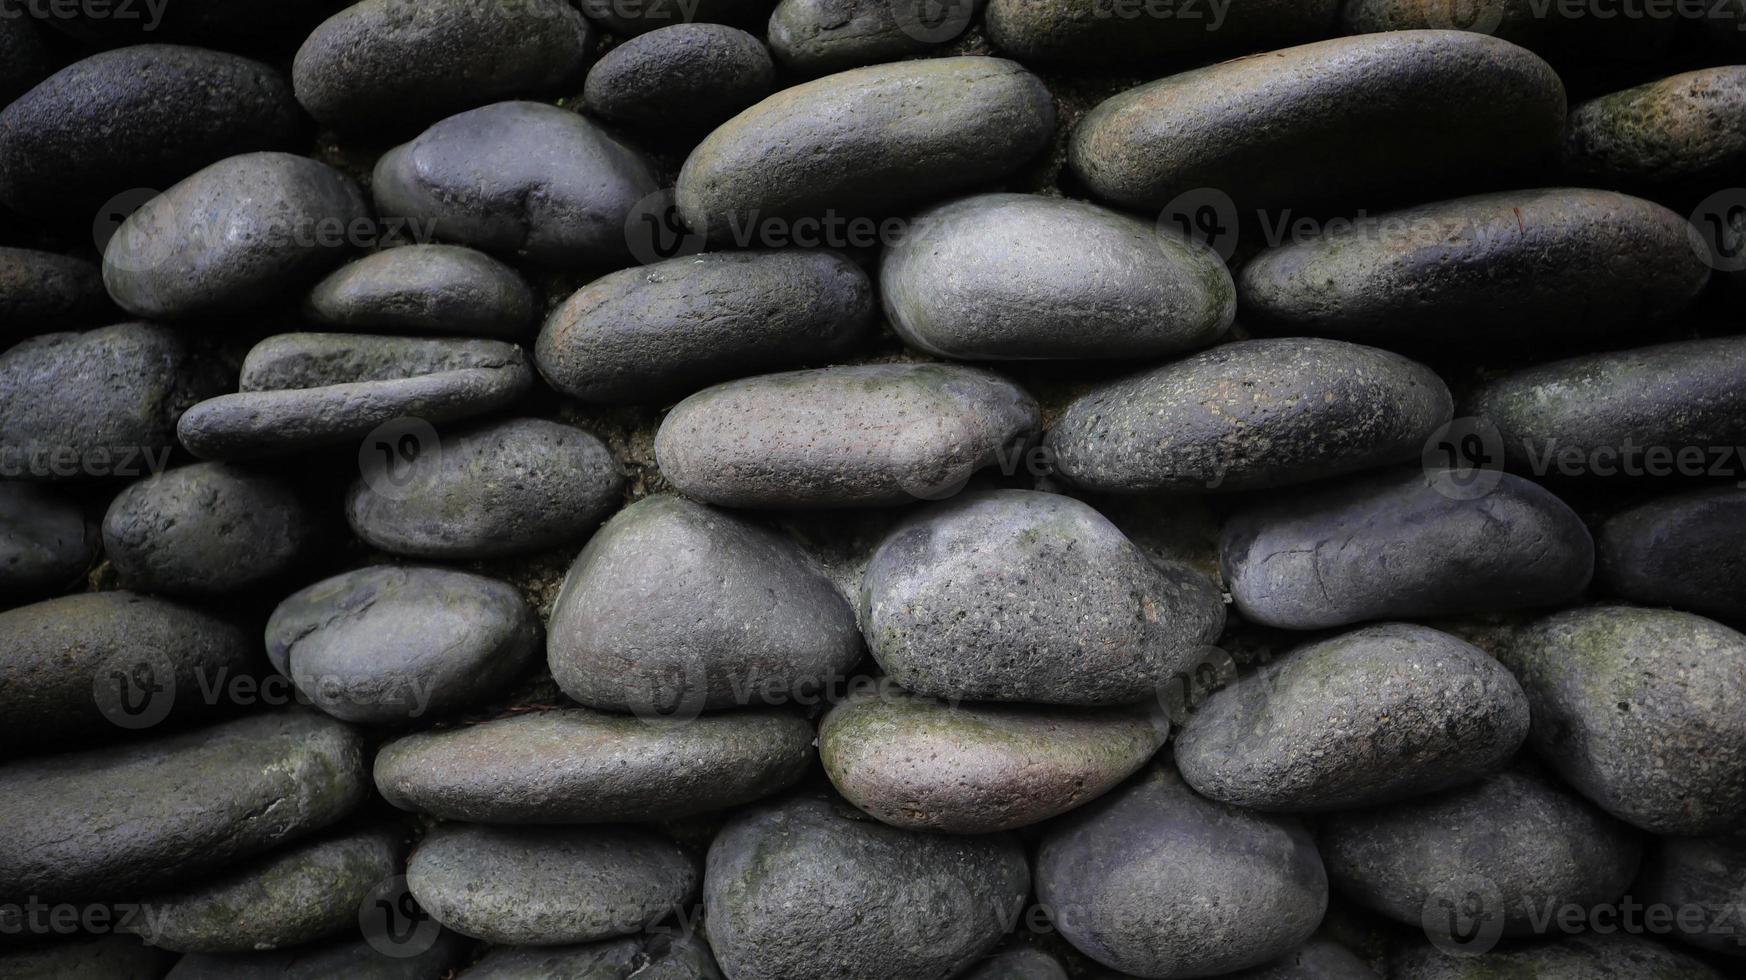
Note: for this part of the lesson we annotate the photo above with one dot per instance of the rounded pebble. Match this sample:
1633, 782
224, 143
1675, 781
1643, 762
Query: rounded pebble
44, 291
816, 37
1068, 33
682, 80
1704, 873
1682, 550
1675, 132
427, 289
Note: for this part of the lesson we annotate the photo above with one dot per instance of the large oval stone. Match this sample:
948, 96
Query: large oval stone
46, 543
1250, 414
1673, 133
574, 765
1682, 550
1081, 34
867, 435
1018, 276
431, 289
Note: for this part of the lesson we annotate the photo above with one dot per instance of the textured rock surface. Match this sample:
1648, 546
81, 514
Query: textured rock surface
1703, 873
1066, 32
434, 289
815, 37
44, 291
1318, 959
685, 79
1024, 963
1684, 550
1669, 132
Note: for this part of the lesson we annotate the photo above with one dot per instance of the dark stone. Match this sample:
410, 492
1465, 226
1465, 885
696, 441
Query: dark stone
43, 291
1686, 550
1678, 133
1706, 873
657, 956
86, 957
1070, 32
442, 951
1022, 963
817, 37
1588, 956
680, 80
46, 543
427, 289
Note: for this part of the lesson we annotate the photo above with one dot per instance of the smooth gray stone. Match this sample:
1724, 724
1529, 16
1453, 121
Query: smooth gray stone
522, 178
684, 79
104, 663
352, 959
1156, 881
629, 18
1074, 32
90, 957
1023, 277
1249, 415
490, 490
1704, 873
306, 391
1324, 122
550, 885
655, 332
1684, 550
881, 903
657, 956
1367, 717
922, 764
1400, 545
236, 235
870, 141
138, 117
1318, 959
24, 59
815, 37
390, 65
1499, 851
392, 644
1021, 963
428, 289
307, 892
1015, 595
675, 608
575, 765
1639, 710
46, 543
44, 291
208, 529
1563, 262
173, 806
863, 436
1587, 956
1630, 412
99, 403
1675, 132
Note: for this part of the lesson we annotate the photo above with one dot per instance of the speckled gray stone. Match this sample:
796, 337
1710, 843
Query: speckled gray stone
307, 892
105, 664
397, 64
1367, 717
1156, 881
894, 904
1020, 963
1324, 122
1318, 959
870, 141
1068, 32
574, 765
1014, 595
1676, 132
655, 332
1639, 710
816, 37
1686, 550
1020, 276
674, 607
353, 959
1559, 263
46, 542
173, 806
683, 80
430, 289
491, 490
44, 291
139, 117
549, 886
525, 178
656, 956
303, 391
392, 644
1703, 873
867, 435
1588, 956
87, 957
923, 764
1250, 414
1400, 544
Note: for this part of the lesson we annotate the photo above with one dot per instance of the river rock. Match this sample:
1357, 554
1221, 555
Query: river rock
1588, 956
1014, 595
173, 806
897, 905
424, 956
1563, 263
489, 491
108, 956
524, 178
682, 80
46, 544
1401, 544
872, 141
1676, 132
1019, 963
575, 765
103, 663
922, 764
1066, 32
655, 956
1250, 414
1367, 717
867, 435
138, 117
392, 644
1681, 550
675, 607
237, 235
99, 403
1637, 709
816, 37
1018, 276
1349, 117
629, 18
1156, 881
208, 529
429, 289
646, 334
45, 291
303, 391
393, 64
1705, 874
546, 886
307, 892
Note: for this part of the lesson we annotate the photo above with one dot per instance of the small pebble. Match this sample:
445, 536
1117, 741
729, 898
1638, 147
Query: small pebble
684, 80
427, 289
